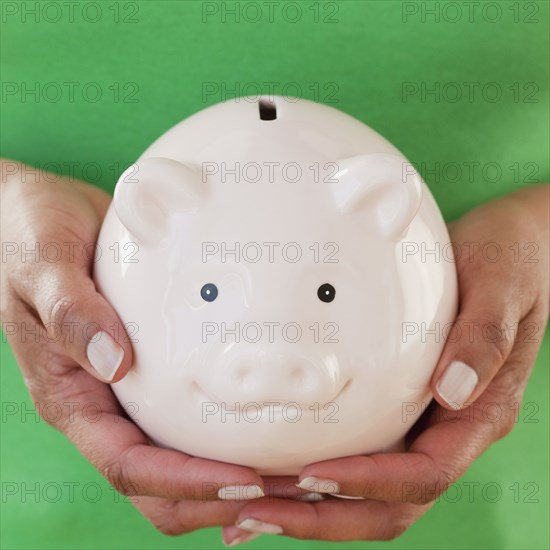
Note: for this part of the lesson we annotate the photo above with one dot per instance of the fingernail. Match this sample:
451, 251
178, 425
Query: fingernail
348, 497
319, 485
242, 539
105, 355
311, 497
257, 526
240, 492
457, 384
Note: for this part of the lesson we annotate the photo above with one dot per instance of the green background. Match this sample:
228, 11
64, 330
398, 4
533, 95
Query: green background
137, 68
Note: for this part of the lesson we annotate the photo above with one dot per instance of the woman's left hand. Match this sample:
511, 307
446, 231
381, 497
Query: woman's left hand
503, 311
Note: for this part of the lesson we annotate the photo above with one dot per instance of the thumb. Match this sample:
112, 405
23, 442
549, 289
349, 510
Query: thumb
78, 318
480, 340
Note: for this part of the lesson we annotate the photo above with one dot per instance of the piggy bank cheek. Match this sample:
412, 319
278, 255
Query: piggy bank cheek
196, 307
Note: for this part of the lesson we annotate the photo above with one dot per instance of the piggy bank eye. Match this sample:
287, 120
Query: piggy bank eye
326, 293
209, 292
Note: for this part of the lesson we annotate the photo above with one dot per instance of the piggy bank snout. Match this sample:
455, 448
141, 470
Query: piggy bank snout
276, 377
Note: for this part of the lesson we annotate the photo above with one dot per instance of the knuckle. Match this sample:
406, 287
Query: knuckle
501, 344
493, 330
426, 496
60, 310
504, 426
42, 413
369, 488
394, 529
6, 307
20, 272
165, 515
428, 491
170, 528
314, 528
445, 477
399, 521
115, 473
506, 394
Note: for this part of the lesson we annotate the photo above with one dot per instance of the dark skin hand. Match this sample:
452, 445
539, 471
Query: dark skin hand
59, 299
502, 315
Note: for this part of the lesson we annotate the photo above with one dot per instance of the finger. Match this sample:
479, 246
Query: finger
497, 290
436, 459
179, 517
233, 536
392, 477
485, 337
94, 421
441, 454
481, 338
173, 517
77, 317
333, 520
123, 455
275, 486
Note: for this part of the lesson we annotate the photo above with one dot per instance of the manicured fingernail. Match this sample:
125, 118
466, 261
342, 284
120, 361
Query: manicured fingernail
242, 539
319, 485
257, 526
240, 492
311, 497
457, 384
105, 355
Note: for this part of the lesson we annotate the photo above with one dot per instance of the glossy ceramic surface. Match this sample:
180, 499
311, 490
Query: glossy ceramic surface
277, 277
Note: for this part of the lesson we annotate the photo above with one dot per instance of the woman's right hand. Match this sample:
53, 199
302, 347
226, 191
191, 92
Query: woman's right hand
70, 343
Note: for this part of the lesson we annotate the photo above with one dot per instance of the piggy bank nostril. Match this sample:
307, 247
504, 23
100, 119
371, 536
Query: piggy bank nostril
297, 377
242, 376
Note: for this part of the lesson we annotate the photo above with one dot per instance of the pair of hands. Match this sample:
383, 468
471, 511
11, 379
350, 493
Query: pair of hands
485, 364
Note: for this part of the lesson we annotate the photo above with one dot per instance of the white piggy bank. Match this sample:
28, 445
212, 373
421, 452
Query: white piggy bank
272, 269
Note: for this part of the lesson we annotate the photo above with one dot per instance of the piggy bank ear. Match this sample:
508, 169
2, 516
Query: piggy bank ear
386, 185
150, 191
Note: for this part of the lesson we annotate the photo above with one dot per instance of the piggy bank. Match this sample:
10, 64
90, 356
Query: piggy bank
274, 271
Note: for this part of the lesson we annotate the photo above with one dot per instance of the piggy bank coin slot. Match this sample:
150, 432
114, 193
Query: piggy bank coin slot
268, 110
